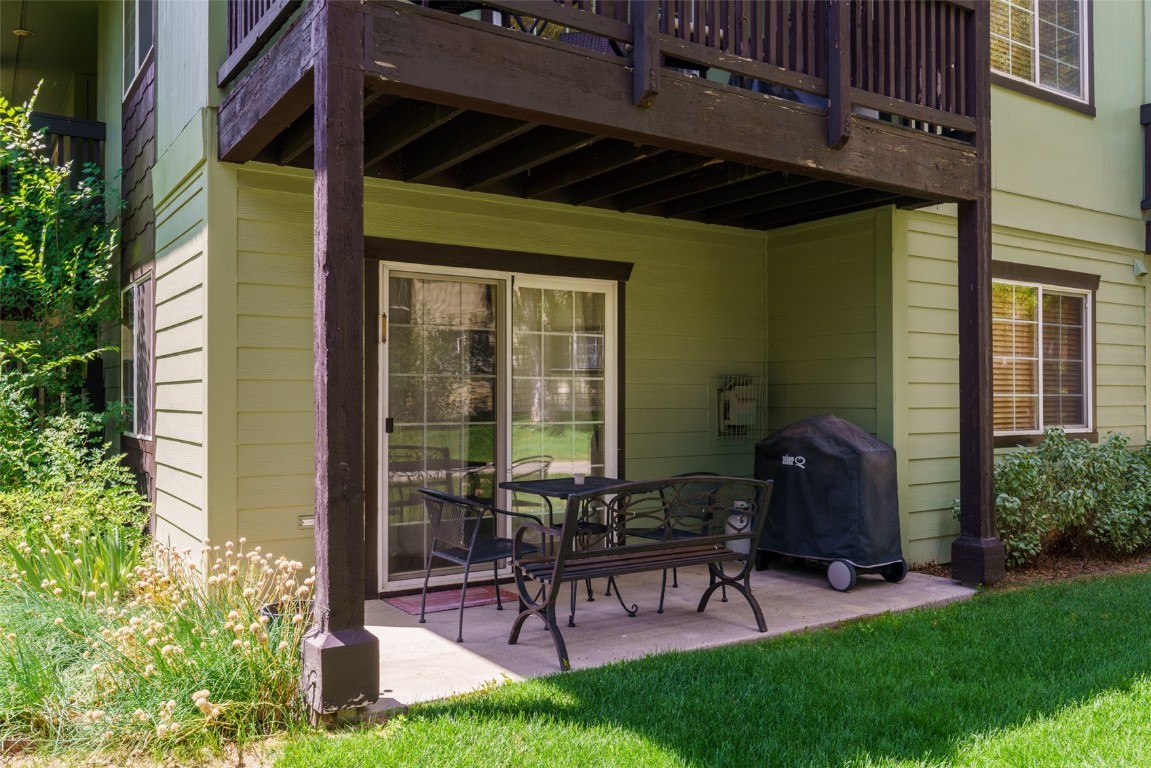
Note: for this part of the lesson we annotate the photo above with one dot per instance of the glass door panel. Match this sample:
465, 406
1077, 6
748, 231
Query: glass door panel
442, 396
558, 387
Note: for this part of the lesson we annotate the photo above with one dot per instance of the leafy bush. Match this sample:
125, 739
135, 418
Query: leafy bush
189, 658
1069, 495
56, 291
60, 472
56, 467
56, 251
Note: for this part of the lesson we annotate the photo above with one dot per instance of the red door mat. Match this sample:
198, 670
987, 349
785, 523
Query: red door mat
449, 599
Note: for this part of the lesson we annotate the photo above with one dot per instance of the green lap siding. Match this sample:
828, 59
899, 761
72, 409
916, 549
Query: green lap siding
926, 337
694, 309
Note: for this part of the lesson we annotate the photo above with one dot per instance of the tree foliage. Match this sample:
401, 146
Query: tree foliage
56, 257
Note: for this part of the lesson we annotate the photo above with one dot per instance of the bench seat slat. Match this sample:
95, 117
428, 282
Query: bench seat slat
714, 500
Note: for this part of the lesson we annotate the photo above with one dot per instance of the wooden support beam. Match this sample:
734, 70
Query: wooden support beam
1145, 205
638, 175
271, 95
457, 142
691, 184
340, 657
792, 195
400, 125
543, 145
248, 48
599, 158
296, 140
645, 58
838, 74
831, 205
977, 556
736, 193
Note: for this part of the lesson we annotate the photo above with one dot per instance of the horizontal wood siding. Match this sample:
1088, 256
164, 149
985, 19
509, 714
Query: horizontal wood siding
180, 367
929, 372
822, 322
694, 309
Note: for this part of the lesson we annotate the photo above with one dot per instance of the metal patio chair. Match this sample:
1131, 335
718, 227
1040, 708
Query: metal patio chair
466, 532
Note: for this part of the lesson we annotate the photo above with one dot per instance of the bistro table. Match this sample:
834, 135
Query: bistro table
563, 488
560, 488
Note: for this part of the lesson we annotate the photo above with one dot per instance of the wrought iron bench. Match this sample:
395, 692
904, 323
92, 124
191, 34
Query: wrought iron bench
732, 511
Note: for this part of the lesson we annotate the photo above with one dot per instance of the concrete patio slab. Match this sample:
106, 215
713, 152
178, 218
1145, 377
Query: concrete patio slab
422, 662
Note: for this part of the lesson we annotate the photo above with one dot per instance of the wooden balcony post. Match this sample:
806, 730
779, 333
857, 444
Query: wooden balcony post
1145, 205
838, 74
977, 556
341, 657
645, 76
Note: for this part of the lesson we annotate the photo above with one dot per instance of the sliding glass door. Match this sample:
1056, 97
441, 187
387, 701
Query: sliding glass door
487, 377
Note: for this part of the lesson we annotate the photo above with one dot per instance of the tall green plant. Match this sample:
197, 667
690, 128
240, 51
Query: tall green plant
56, 255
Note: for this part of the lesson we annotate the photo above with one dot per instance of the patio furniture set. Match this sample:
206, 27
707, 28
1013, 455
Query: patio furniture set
608, 528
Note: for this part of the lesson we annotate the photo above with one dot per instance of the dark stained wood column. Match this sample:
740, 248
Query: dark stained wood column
341, 658
646, 64
838, 74
977, 556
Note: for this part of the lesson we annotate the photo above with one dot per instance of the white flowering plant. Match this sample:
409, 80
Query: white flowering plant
197, 650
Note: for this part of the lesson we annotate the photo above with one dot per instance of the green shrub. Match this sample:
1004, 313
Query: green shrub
57, 469
1069, 495
57, 287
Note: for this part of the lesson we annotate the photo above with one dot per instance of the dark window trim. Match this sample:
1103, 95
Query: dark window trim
1028, 88
386, 249
136, 274
1031, 273
1054, 278
494, 259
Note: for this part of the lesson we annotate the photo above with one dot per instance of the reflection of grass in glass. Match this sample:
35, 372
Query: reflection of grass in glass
563, 442
475, 443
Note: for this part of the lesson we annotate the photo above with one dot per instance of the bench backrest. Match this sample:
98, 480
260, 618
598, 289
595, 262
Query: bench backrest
726, 512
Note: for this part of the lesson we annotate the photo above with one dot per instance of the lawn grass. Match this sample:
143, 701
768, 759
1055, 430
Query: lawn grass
1045, 676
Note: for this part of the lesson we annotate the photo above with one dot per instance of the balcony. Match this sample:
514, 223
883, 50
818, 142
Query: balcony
71, 140
746, 113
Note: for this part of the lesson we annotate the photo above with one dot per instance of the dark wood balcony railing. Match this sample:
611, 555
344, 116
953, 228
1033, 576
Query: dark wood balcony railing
69, 140
909, 62
906, 60
251, 24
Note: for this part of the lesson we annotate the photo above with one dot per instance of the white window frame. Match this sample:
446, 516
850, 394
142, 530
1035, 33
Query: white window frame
1037, 56
1088, 358
142, 412
507, 282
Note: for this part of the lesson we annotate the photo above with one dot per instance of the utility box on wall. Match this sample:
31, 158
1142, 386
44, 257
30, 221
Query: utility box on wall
738, 412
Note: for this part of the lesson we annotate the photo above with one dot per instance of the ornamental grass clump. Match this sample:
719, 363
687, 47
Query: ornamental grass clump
191, 655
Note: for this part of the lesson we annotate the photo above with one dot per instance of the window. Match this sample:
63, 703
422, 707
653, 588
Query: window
138, 25
1042, 348
136, 356
1043, 42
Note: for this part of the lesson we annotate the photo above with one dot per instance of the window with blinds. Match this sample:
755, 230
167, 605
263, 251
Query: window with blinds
1041, 351
1044, 42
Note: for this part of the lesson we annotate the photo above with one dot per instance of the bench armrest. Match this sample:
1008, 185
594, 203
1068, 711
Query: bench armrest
545, 532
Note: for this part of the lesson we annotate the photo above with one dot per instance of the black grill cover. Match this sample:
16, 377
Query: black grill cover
835, 493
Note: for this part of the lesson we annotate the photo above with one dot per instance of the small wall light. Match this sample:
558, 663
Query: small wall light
19, 32
1140, 267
